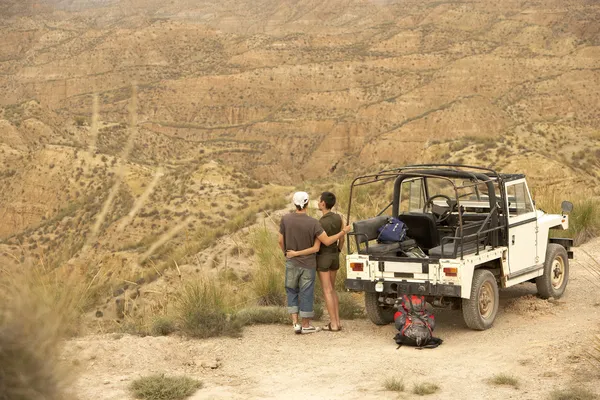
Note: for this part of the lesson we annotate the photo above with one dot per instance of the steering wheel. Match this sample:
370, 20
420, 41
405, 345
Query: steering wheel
446, 213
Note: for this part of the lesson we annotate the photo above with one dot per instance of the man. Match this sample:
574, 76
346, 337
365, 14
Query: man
328, 259
302, 235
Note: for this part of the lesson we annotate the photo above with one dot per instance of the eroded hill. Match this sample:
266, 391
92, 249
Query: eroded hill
237, 98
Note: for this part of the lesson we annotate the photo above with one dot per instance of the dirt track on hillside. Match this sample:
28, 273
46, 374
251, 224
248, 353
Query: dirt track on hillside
543, 343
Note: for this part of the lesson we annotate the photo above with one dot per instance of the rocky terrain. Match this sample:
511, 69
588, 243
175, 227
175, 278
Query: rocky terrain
543, 344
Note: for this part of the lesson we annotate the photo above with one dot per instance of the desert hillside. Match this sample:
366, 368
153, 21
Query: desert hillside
124, 122
148, 149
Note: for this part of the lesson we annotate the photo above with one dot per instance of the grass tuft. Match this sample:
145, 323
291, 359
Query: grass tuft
267, 281
394, 385
31, 333
162, 326
263, 315
350, 308
423, 389
505, 380
584, 220
203, 312
572, 393
161, 387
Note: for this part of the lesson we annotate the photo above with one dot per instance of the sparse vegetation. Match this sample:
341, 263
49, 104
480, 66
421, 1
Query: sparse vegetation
263, 315
162, 326
394, 384
161, 387
274, 107
584, 221
572, 393
350, 308
268, 278
203, 312
505, 380
423, 389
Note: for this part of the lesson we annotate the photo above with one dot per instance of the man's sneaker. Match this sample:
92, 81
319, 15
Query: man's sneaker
310, 329
297, 329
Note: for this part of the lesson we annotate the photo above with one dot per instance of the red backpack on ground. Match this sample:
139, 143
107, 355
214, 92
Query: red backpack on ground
414, 323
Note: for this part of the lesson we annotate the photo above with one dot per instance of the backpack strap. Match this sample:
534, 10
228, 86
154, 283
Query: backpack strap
432, 344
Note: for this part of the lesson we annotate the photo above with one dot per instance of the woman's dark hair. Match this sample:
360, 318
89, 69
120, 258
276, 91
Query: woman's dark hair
329, 199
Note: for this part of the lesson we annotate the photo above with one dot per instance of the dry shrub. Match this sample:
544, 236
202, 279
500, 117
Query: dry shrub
268, 281
349, 308
162, 326
505, 380
572, 393
394, 385
423, 389
584, 220
161, 387
263, 315
203, 311
342, 274
32, 327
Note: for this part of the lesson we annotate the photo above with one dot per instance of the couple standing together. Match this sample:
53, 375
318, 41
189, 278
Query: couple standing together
311, 246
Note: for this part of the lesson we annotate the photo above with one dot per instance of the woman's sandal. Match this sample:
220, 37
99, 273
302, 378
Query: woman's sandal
330, 329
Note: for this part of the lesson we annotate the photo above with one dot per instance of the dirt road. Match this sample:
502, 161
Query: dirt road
540, 342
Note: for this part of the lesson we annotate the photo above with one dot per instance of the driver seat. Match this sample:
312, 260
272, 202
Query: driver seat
422, 228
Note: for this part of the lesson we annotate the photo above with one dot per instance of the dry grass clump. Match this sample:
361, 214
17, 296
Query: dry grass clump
32, 327
263, 315
504, 380
394, 384
163, 326
203, 311
268, 279
161, 387
584, 220
572, 393
423, 389
350, 308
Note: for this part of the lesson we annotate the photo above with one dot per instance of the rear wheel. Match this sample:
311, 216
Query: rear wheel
377, 312
479, 311
556, 273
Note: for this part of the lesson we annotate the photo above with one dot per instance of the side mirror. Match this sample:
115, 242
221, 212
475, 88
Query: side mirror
566, 207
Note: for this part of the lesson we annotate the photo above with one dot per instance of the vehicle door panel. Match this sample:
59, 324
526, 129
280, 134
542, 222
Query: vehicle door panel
522, 231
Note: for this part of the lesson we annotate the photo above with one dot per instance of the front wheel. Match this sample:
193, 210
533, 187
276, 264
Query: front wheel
378, 313
479, 311
556, 273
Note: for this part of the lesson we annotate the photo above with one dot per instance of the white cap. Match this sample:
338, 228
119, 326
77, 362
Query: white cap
300, 199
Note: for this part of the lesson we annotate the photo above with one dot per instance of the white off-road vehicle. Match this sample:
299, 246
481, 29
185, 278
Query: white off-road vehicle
470, 231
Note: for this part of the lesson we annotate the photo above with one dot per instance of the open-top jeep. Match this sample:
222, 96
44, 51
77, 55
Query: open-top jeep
470, 231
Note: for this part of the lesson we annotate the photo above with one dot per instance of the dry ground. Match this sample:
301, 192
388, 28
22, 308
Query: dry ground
541, 343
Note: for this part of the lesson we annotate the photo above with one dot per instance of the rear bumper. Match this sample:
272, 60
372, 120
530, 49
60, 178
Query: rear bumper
420, 288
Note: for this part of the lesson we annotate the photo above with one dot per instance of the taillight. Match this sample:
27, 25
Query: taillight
451, 271
357, 267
